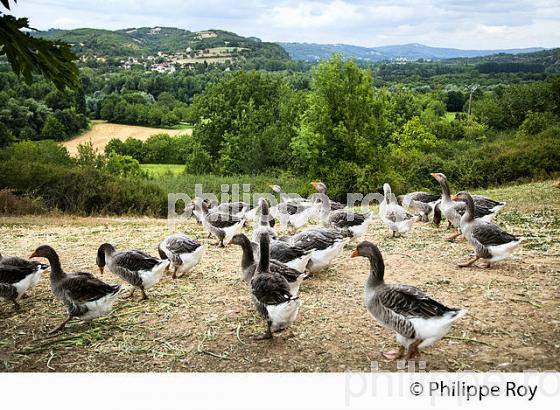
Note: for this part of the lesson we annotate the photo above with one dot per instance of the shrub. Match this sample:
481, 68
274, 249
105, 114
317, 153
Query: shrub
535, 122
53, 129
37, 152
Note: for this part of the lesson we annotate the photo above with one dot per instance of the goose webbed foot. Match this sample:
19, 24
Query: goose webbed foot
24, 296
394, 354
469, 263
266, 335
61, 326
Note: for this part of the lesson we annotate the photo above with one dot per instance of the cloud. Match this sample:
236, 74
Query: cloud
471, 24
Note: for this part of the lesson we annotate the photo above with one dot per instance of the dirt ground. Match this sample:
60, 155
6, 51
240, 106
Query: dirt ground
205, 321
101, 133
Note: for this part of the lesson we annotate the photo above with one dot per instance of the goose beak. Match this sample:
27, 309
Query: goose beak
455, 197
33, 255
355, 253
314, 183
230, 242
434, 174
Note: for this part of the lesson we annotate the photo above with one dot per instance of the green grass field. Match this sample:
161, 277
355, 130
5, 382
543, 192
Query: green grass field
161, 169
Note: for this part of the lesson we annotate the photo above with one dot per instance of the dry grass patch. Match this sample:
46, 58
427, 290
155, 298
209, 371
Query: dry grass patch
205, 320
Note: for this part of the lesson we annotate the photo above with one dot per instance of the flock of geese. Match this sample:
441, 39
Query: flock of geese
274, 267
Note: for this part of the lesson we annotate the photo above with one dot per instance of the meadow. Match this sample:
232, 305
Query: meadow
205, 321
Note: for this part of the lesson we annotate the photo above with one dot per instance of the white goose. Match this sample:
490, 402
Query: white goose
183, 252
395, 217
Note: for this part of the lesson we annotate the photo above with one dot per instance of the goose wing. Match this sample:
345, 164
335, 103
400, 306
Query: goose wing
410, 302
80, 288
135, 260
270, 289
489, 234
345, 219
223, 220
181, 244
23, 263
284, 252
10, 274
317, 238
290, 274
485, 201
425, 197
396, 213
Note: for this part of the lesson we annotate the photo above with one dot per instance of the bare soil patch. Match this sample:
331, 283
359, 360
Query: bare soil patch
101, 133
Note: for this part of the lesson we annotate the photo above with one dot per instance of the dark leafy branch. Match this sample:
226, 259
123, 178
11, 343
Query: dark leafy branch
27, 55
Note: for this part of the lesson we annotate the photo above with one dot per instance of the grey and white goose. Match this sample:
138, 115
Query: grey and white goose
85, 296
421, 202
454, 210
394, 216
137, 268
490, 242
284, 197
248, 264
418, 320
220, 224
17, 276
271, 294
325, 245
184, 253
321, 188
265, 221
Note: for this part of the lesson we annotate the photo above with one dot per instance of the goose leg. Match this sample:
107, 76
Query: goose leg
448, 225
469, 263
174, 276
144, 296
61, 326
209, 235
413, 350
267, 334
394, 354
131, 294
17, 306
394, 234
453, 237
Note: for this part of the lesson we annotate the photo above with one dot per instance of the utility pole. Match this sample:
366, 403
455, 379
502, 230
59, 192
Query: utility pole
472, 89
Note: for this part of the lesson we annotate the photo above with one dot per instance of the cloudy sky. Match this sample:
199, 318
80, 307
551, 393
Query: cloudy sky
470, 24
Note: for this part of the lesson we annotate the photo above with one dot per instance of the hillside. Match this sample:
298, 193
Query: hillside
315, 52
136, 42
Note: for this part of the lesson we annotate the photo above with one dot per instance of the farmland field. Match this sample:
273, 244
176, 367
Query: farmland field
102, 132
158, 169
205, 320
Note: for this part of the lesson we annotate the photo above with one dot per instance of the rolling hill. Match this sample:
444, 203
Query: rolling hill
414, 51
135, 42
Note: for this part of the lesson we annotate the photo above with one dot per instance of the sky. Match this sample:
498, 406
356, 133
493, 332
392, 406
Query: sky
467, 24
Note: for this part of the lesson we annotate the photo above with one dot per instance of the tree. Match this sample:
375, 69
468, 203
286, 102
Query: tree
26, 54
53, 129
341, 130
6, 136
